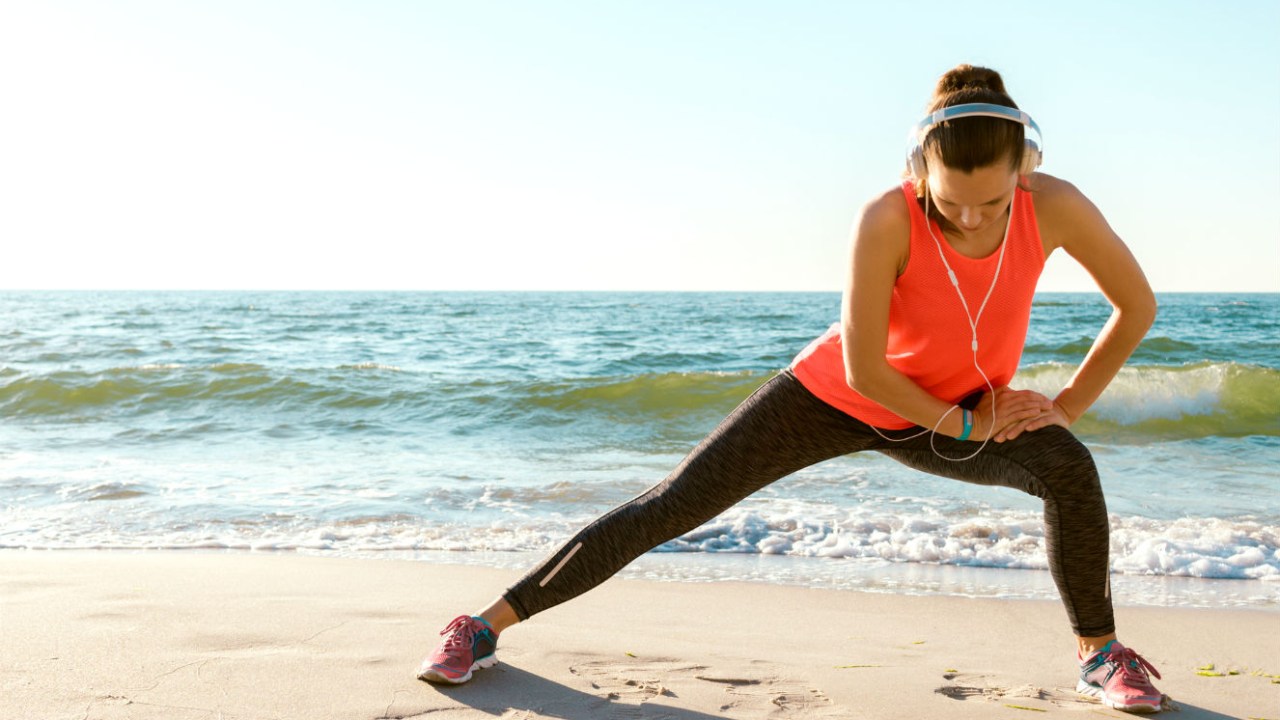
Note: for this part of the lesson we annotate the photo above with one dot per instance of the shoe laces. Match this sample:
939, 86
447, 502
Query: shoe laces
1132, 665
459, 634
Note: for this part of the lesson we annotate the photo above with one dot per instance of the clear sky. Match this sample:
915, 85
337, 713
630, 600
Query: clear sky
598, 144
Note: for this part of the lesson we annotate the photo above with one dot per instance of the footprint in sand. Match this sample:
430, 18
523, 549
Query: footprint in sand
629, 685
966, 686
771, 697
633, 682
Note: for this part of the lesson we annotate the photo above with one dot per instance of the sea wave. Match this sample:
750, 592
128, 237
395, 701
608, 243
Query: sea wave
1239, 549
1143, 403
162, 388
1173, 403
1160, 349
1186, 547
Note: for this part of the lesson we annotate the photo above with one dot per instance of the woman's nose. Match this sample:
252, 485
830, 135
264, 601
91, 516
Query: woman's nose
970, 218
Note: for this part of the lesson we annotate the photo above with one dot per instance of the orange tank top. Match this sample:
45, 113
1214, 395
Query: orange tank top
929, 337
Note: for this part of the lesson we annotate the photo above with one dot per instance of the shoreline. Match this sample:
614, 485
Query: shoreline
192, 634
885, 577
862, 575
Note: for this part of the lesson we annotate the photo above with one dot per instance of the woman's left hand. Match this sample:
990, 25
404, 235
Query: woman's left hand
1054, 415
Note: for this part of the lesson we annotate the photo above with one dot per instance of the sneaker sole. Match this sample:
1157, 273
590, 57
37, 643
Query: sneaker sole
1094, 691
435, 676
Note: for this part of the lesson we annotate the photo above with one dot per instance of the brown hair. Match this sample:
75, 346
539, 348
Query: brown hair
972, 142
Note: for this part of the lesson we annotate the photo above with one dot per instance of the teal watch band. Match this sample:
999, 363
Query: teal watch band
968, 424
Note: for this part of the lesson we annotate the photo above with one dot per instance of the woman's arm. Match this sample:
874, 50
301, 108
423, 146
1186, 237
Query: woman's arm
879, 253
1076, 225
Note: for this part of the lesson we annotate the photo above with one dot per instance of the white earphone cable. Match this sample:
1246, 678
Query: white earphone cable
973, 327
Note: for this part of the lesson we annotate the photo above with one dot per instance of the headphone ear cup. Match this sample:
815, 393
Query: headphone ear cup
916, 164
1031, 158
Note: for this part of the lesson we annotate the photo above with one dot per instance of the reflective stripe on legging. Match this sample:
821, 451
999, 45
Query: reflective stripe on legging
783, 428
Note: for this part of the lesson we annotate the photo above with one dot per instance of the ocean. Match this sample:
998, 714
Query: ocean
485, 428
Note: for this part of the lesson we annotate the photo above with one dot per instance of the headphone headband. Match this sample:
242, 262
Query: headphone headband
915, 151
923, 127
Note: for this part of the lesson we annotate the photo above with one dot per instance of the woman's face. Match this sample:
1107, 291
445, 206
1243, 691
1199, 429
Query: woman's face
972, 201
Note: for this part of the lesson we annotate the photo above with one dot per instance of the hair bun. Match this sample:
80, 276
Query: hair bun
965, 77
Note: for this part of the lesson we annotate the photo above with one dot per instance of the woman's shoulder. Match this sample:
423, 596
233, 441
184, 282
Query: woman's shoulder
882, 232
1053, 196
886, 213
1062, 211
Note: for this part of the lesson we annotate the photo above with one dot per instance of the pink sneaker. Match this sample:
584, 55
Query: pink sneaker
469, 644
1118, 677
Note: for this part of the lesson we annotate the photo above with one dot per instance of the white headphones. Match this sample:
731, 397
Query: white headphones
1032, 155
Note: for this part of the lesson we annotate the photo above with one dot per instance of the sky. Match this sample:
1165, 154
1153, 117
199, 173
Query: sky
598, 144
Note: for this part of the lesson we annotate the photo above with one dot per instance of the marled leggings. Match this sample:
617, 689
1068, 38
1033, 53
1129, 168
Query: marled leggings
783, 428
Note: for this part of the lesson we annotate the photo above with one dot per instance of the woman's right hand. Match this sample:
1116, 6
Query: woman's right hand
1009, 408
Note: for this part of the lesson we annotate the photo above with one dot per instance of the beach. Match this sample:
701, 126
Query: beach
243, 636
323, 324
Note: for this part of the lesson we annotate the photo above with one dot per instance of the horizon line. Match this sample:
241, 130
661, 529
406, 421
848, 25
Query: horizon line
558, 290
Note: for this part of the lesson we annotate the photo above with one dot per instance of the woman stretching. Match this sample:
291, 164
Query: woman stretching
935, 310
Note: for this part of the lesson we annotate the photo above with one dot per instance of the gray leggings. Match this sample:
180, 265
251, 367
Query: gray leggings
783, 428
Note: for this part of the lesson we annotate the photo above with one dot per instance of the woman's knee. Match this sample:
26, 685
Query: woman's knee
1060, 461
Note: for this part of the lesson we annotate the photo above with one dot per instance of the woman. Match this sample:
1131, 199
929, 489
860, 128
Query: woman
934, 318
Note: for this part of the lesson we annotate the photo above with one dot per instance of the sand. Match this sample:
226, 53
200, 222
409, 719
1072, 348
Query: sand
177, 635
